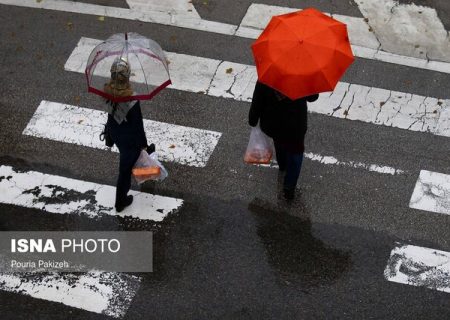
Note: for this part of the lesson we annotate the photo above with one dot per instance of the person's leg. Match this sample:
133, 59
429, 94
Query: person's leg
293, 166
280, 153
128, 158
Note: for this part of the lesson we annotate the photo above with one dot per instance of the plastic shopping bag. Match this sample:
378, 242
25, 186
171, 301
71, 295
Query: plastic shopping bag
147, 167
259, 149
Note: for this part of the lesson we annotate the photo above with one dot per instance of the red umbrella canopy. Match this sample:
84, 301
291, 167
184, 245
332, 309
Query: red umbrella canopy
127, 66
302, 53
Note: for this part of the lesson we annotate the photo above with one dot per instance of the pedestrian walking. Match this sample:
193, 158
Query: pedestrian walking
138, 71
297, 56
285, 121
126, 129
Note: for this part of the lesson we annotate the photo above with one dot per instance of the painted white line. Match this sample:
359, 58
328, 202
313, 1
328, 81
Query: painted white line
382, 107
56, 194
370, 167
365, 45
348, 101
443, 126
171, 18
180, 7
432, 192
407, 29
101, 292
259, 15
188, 73
329, 160
82, 126
420, 267
380, 55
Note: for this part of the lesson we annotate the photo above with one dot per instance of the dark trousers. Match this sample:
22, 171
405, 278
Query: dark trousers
128, 157
289, 161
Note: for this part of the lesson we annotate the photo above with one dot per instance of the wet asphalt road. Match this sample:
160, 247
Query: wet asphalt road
234, 251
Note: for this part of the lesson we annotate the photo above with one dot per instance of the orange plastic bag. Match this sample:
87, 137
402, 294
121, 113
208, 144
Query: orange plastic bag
259, 148
146, 173
147, 167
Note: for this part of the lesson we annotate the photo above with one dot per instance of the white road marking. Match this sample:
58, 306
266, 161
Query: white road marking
407, 29
56, 194
432, 192
330, 160
348, 101
420, 267
370, 167
259, 15
82, 126
443, 126
101, 292
188, 73
364, 44
171, 18
175, 7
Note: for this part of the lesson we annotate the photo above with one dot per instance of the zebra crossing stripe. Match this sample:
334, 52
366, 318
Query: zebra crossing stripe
258, 16
56, 194
432, 192
330, 160
176, 19
348, 101
365, 44
101, 292
420, 267
82, 126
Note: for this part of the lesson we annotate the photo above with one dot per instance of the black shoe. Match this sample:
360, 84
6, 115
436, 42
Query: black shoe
289, 193
127, 202
151, 148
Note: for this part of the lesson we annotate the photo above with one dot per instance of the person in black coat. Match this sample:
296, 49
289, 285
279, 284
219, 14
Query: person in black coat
286, 122
126, 129
129, 137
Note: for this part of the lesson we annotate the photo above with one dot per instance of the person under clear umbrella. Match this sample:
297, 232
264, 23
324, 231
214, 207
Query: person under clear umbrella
285, 121
126, 128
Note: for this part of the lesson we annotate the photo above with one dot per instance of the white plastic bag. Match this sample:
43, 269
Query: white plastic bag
147, 167
259, 149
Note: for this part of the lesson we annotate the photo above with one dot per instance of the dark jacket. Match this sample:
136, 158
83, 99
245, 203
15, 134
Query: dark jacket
280, 117
129, 134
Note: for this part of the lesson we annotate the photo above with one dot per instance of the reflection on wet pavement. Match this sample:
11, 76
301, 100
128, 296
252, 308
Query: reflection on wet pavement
292, 250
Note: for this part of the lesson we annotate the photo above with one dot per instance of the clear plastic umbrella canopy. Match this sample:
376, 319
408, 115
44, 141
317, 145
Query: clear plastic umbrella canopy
127, 66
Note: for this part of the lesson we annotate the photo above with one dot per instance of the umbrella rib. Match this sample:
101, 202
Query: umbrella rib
142, 68
93, 65
312, 59
121, 55
281, 56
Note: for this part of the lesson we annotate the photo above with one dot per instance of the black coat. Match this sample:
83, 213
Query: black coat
129, 134
280, 118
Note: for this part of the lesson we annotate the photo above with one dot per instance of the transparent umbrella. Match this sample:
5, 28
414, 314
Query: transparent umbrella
127, 66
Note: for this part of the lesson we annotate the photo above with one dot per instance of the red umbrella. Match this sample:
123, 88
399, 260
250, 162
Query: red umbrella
302, 53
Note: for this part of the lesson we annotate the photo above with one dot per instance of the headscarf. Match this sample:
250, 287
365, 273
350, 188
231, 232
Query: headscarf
119, 86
